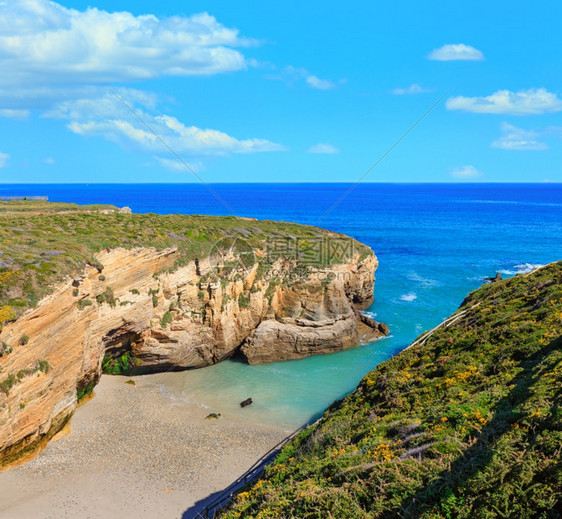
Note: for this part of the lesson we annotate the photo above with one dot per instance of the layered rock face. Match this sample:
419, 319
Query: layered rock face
169, 318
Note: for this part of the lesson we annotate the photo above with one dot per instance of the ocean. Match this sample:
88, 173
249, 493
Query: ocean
435, 243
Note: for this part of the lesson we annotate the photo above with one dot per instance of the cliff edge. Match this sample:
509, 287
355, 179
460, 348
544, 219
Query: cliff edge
82, 290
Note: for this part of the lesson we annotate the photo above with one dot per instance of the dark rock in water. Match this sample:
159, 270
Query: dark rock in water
494, 279
213, 416
383, 328
246, 402
371, 323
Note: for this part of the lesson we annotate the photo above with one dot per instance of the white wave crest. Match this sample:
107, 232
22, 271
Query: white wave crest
521, 269
425, 282
408, 297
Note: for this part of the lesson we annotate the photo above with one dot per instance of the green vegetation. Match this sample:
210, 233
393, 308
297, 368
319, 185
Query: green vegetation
11, 380
8, 383
43, 366
123, 365
83, 303
243, 301
167, 318
107, 297
85, 391
135, 291
24, 339
5, 349
465, 425
44, 243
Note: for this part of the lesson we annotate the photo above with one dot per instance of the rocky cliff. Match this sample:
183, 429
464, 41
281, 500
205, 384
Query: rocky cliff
143, 309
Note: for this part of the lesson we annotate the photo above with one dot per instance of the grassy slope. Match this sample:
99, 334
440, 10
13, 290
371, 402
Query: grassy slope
468, 425
43, 243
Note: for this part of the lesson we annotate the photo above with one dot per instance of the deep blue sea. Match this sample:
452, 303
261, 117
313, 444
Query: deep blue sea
435, 243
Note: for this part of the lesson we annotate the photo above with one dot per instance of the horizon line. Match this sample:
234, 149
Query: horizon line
275, 183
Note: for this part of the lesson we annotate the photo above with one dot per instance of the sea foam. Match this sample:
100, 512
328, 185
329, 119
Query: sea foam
523, 268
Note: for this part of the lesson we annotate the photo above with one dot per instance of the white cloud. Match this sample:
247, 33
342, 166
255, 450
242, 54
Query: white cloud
456, 52
466, 172
49, 160
514, 138
109, 118
14, 114
44, 43
321, 84
524, 102
291, 75
3, 159
172, 164
323, 147
176, 165
414, 88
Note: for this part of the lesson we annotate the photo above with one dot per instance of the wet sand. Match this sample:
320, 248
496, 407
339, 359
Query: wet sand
135, 452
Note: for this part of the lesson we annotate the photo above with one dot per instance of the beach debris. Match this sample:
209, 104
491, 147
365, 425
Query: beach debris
246, 402
213, 416
498, 277
131, 382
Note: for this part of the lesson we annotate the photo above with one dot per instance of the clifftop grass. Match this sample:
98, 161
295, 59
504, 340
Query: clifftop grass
467, 425
44, 243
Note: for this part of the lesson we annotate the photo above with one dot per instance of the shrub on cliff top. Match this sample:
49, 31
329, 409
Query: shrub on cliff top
59, 240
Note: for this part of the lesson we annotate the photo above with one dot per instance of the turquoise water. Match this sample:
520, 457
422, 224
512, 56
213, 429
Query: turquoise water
435, 243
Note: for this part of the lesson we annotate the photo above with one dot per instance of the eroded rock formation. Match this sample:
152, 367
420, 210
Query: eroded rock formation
168, 318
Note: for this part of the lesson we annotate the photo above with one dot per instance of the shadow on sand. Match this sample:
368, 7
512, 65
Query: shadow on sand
207, 507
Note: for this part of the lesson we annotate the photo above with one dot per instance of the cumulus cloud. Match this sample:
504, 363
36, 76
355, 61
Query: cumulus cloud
14, 114
44, 43
456, 52
323, 147
514, 138
414, 88
3, 159
107, 117
466, 172
525, 102
291, 75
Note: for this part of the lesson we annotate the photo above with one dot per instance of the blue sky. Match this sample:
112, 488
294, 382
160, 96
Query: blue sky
279, 91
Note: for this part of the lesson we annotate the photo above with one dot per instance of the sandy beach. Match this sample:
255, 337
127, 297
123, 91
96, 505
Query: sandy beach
135, 451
